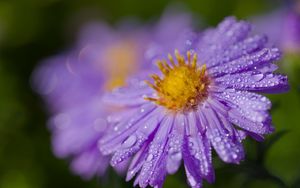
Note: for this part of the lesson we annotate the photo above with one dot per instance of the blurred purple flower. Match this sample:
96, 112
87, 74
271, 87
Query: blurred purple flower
291, 33
201, 100
282, 27
72, 85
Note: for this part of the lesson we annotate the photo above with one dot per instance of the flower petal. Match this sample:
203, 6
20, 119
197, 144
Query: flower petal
118, 134
244, 99
129, 96
247, 46
197, 150
153, 171
136, 139
89, 163
194, 182
255, 81
76, 129
175, 144
245, 62
228, 32
226, 143
138, 161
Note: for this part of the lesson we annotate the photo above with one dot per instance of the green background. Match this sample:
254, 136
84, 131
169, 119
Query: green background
31, 30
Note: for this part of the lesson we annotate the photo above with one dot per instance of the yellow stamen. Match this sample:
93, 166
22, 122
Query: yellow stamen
183, 86
171, 60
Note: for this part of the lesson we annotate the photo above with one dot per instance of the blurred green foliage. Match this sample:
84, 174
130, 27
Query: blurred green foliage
31, 30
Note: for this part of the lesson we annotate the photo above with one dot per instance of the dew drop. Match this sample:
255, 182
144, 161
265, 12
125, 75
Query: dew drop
130, 141
259, 118
258, 77
234, 156
198, 155
150, 157
217, 139
176, 156
188, 42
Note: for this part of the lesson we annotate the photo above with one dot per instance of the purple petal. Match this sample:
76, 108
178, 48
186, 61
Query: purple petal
228, 32
138, 161
194, 182
237, 50
246, 110
215, 41
89, 163
59, 79
245, 62
197, 150
77, 129
153, 171
256, 81
120, 132
129, 96
239, 119
136, 139
175, 144
226, 143
120, 115
245, 100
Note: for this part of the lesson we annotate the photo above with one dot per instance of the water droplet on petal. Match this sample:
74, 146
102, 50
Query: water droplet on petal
176, 156
234, 156
217, 139
258, 77
150, 157
130, 141
263, 99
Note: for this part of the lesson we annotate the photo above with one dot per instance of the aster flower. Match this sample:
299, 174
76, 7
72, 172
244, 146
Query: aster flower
72, 85
282, 26
291, 32
201, 99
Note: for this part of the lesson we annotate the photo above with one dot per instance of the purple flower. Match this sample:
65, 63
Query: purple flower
282, 27
73, 83
291, 32
202, 98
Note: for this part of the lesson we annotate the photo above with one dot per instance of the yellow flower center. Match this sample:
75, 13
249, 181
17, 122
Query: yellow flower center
183, 85
121, 61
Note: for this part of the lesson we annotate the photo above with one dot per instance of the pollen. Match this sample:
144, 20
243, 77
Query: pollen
183, 85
